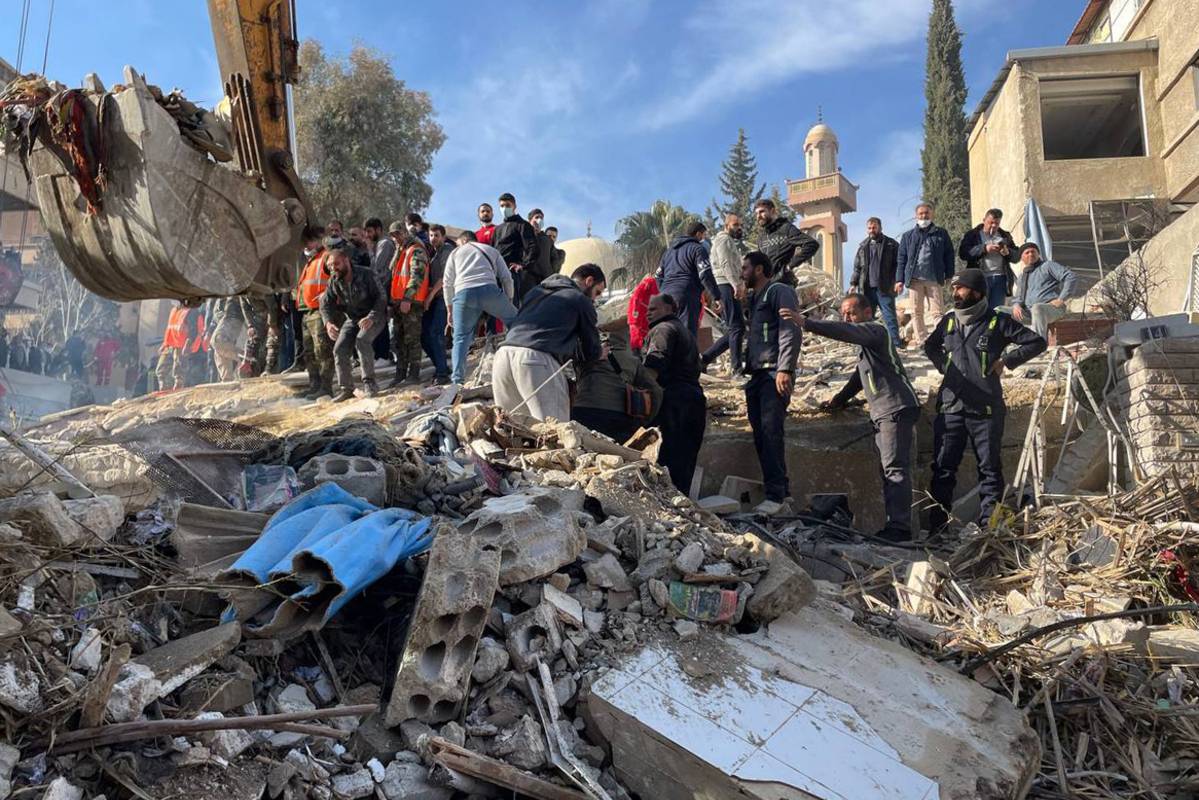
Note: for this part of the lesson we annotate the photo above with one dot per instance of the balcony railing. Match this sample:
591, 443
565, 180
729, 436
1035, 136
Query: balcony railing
825, 187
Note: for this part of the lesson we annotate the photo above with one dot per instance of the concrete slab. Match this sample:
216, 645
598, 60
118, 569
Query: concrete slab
811, 707
535, 530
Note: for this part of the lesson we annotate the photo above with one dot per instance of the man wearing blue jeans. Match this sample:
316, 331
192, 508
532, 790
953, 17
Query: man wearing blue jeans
476, 281
874, 275
990, 248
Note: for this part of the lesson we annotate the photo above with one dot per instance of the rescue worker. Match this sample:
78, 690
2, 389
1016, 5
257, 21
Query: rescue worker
105, 355
894, 407
184, 337
672, 359
354, 311
409, 291
685, 273
227, 329
317, 347
967, 347
771, 354
785, 245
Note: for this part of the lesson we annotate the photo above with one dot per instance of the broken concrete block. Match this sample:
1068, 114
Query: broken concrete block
743, 490
231, 687
523, 745
293, 700
20, 687
228, 743
1110, 632
534, 635
447, 623
917, 595
42, 518
719, 504
407, 781
686, 629
1174, 644
87, 654
606, 573
491, 660
785, 587
568, 609
373, 739
360, 476
98, 516
690, 559
62, 789
351, 785
164, 669
9, 756
654, 564
536, 531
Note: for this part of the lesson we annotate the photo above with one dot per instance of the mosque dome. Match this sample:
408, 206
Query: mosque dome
590, 250
819, 133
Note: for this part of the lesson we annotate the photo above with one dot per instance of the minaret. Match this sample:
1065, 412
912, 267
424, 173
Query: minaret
822, 197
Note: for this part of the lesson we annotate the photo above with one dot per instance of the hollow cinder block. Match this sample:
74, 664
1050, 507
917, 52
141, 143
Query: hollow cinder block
447, 623
536, 531
360, 476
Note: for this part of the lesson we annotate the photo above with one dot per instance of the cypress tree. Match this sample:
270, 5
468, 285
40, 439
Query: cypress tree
945, 166
739, 184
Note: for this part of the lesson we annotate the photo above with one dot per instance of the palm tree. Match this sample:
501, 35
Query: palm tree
645, 235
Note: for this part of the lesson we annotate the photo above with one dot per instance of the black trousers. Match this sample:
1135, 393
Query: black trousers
893, 438
951, 433
616, 425
730, 310
767, 412
682, 420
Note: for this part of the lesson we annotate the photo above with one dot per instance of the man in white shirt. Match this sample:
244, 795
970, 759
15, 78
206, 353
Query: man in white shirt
476, 281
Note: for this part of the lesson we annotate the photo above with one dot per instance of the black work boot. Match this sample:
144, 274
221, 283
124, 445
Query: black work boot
370, 388
399, 378
347, 393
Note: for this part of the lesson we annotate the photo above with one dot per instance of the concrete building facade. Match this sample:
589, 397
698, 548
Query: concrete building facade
822, 197
1104, 134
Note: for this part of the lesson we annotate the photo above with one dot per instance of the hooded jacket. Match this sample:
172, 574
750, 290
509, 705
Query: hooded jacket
886, 269
880, 373
686, 270
670, 351
966, 356
557, 318
516, 239
638, 310
771, 343
786, 245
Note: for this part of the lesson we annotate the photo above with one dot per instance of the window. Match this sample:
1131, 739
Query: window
1091, 117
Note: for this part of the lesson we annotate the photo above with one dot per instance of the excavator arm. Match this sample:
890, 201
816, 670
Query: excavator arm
146, 195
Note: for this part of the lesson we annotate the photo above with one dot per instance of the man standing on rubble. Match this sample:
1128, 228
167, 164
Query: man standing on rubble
476, 281
784, 244
771, 355
894, 407
672, 358
555, 326
409, 291
990, 248
924, 263
686, 272
354, 311
317, 347
1045, 286
967, 347
727, 251
433, 319
486, 232
545, 251
517, 242
874, 274
382, 251
557, 255
184, 336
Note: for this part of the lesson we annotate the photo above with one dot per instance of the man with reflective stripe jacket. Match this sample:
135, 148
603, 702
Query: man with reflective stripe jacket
967, 347
894, 407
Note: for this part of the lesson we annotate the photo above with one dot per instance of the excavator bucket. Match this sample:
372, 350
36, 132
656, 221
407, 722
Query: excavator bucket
165, 219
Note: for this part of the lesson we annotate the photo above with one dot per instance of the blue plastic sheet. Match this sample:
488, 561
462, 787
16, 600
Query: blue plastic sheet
316, 554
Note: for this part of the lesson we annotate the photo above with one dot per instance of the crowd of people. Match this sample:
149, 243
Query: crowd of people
640, 364
82, 356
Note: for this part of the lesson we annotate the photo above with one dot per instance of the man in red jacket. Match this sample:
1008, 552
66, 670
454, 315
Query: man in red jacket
486, 229
639, 312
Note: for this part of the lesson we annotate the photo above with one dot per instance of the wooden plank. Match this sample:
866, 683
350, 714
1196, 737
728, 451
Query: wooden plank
468, 762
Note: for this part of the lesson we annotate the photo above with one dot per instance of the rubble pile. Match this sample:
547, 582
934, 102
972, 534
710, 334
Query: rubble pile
1084, 614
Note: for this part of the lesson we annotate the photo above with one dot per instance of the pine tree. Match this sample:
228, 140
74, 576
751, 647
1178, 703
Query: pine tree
780, 203
944, 163
739, 184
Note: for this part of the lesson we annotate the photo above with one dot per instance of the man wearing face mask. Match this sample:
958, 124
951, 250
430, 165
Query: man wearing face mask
924, 263
517, 242
874, 274
967, 347
545, 252
727, 251
409, 291
486, 231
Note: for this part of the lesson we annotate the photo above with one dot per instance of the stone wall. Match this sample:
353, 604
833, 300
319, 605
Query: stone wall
1158, 396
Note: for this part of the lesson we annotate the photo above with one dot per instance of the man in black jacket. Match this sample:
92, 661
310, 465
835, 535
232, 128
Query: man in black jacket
556, 324
545, 249
894, 407
771, 354
672, 358
874, 274
557, 255
517, 242
784, 244
354, 311
967, 347
990, 248
685, 273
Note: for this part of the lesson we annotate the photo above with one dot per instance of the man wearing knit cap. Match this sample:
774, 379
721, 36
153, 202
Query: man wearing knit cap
1045, 286
968, 348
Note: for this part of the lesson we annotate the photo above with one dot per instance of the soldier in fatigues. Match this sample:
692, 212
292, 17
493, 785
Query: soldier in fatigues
226, 330
255, 310
317, 346
409, 290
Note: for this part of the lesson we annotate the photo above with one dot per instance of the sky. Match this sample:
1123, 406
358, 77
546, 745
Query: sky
593, 109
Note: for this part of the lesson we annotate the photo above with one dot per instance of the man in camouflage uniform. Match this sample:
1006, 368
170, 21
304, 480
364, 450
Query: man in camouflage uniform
407, 295
317, 348
227, 329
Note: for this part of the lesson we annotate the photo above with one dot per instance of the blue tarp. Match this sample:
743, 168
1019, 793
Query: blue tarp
317, 553
1035, 229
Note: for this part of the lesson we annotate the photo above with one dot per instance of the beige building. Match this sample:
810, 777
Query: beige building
1104, 134
822, 197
